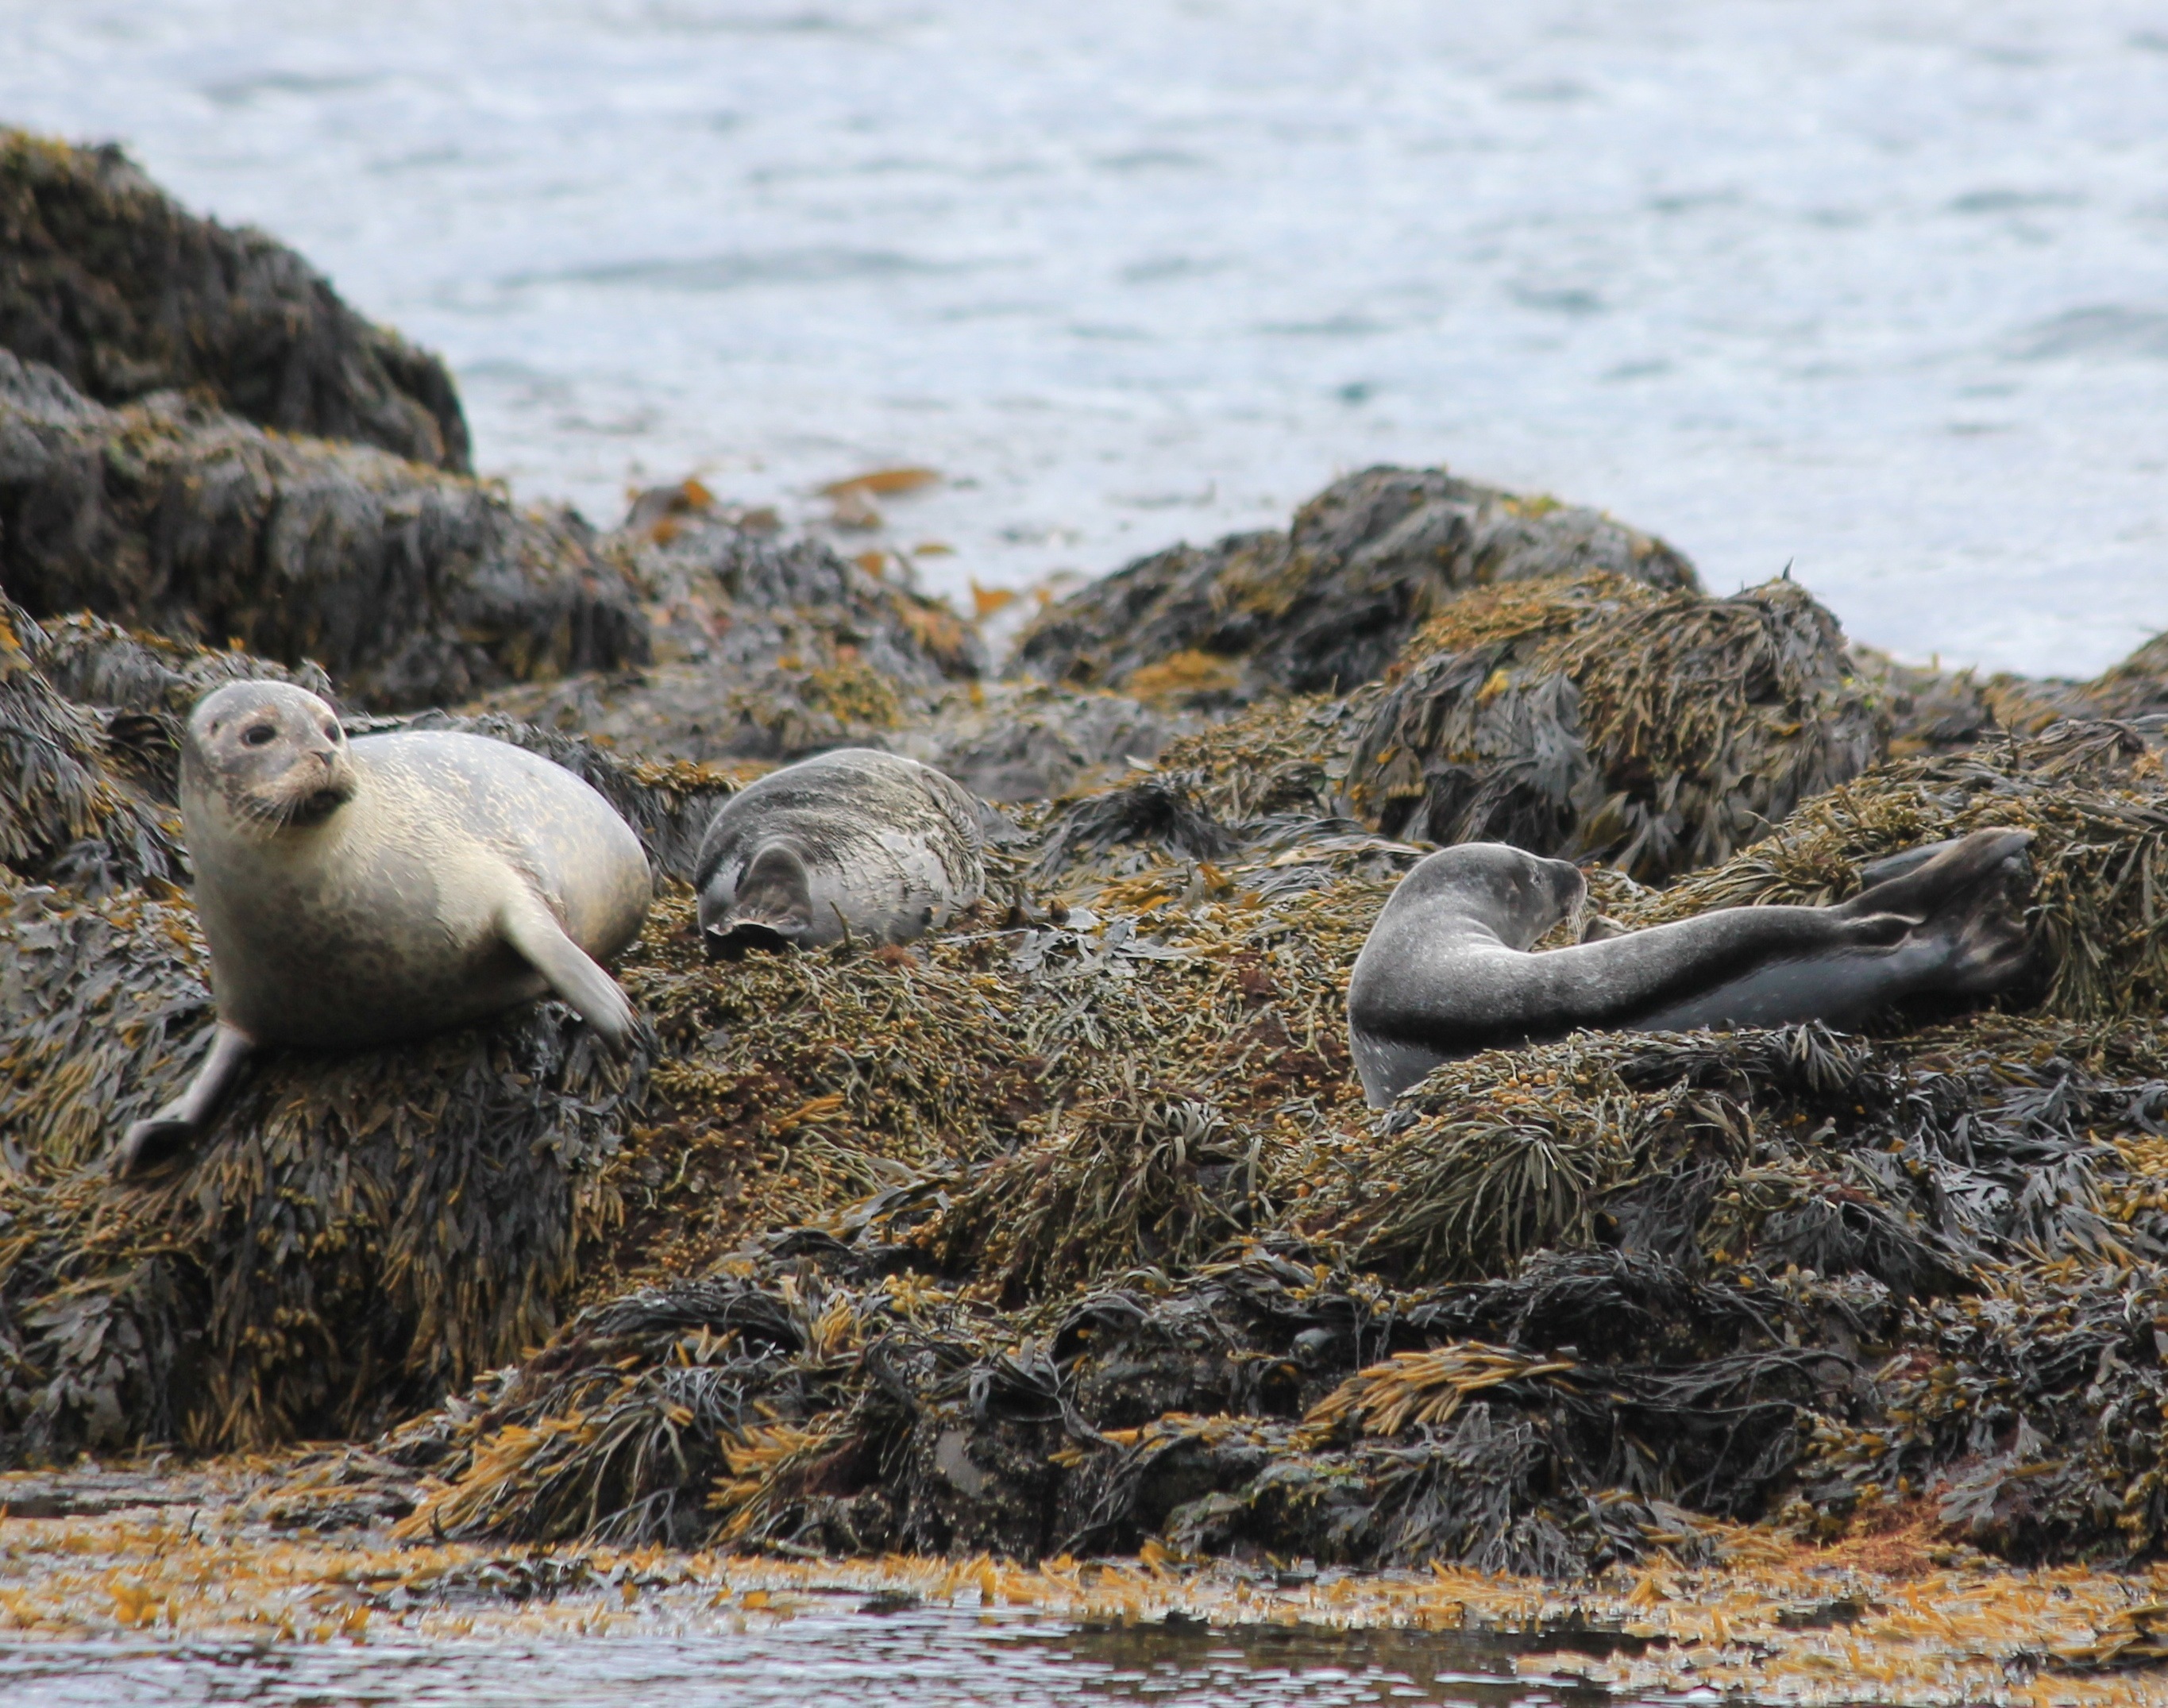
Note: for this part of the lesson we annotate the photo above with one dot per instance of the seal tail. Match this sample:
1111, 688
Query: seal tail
772, 908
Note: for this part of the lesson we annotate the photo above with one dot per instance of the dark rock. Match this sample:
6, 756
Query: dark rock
107, 281
410, 585
1327, 605
2138, 687
1594, 715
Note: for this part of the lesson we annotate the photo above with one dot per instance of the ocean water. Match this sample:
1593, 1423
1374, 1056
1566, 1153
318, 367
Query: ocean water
1875, 287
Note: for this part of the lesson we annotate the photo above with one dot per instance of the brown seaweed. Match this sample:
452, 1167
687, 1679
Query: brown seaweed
1597, 716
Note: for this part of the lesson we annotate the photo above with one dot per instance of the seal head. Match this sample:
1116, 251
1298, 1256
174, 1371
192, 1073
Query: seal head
275, 754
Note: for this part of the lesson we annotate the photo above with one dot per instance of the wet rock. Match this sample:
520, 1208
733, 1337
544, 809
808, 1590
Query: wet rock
733, 593
111, 284
1594, 715
1327, 605
1013, 742
410, 586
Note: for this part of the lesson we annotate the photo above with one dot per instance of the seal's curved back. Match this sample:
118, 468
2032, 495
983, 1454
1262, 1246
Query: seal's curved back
855, 842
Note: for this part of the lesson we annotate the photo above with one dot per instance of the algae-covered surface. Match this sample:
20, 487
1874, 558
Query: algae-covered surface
1037, 1304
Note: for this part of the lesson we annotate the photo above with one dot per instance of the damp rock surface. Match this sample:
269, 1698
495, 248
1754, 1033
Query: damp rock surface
111, 284
411, 585
1325, 605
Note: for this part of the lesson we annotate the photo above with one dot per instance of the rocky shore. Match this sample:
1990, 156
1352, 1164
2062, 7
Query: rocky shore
1064, 1232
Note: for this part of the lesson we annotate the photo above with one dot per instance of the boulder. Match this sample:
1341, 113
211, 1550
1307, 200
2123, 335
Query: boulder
1594, 715
411, 586
110, 282
1327, 605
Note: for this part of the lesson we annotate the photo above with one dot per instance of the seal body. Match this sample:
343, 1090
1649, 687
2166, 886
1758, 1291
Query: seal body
357, 893
1446, 970
855, 842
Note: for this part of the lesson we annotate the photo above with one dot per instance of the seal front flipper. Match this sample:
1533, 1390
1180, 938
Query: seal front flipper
530, 928
157, 1136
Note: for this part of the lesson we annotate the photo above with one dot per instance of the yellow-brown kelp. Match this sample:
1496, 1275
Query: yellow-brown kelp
1597, 716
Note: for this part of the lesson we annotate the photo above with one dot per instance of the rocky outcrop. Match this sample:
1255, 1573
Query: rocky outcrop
410, 585
1594, 716
1325, 605
110, 282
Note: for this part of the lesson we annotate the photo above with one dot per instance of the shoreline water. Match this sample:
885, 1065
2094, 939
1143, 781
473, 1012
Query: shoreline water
163, 1582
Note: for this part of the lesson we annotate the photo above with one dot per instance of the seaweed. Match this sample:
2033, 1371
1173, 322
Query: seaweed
68, 808
1597, 716
166, 514
1324, 606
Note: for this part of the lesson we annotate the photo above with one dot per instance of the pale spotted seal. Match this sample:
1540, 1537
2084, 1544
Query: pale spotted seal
1446, 970
855, 842
397, 885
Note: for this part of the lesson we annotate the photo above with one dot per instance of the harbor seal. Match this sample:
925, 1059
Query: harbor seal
1446, 970
854, 842
358, 893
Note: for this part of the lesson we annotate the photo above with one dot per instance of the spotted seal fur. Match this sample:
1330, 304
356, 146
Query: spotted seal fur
356, 892
854, 842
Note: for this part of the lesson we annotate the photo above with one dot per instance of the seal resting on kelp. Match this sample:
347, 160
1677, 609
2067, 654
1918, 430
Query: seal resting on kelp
394, 886
1446, 970
856, 842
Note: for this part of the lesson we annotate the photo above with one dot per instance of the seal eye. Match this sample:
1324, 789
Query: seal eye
258, 734
331, 734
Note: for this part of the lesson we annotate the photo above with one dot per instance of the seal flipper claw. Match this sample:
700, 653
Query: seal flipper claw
157, 1136
531, 928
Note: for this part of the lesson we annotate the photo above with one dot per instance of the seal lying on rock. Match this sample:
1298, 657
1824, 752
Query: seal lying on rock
1446, 971
854, 842
402, 884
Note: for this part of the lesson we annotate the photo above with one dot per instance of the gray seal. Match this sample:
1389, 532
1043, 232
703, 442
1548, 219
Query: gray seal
1446, 970
851, 843
354, 894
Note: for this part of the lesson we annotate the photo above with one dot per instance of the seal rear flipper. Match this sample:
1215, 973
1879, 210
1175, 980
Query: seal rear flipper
157, 1136
533, 931
1970, 898
1947, 880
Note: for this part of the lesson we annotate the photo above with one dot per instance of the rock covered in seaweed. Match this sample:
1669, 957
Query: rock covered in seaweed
411, 585
1595, 715
1327, 605
108, 281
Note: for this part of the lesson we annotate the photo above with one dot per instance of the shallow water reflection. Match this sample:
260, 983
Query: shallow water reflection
923, 1657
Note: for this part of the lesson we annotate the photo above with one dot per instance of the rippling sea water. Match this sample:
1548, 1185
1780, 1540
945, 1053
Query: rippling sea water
918, 1659
1876, 287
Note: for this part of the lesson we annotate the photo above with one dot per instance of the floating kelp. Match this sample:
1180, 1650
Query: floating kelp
108, 281
1597, 716
1327, 605
168, 515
